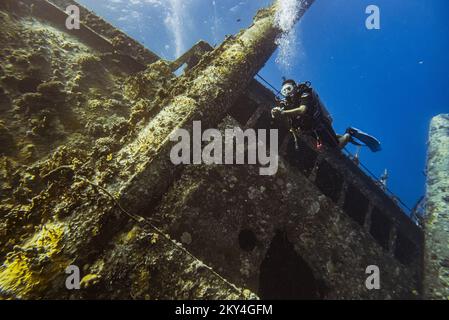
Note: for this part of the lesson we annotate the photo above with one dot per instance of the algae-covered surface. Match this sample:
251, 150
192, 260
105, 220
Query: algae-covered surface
66, 111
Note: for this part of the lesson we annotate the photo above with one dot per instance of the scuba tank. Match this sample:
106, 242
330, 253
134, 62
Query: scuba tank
321, 111
321, 108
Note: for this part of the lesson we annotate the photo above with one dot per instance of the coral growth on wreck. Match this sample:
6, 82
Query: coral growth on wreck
67, 109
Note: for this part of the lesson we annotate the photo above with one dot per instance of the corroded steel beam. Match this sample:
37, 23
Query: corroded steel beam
436, 252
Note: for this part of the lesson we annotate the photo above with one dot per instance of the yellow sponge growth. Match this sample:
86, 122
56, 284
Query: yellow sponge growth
28, 268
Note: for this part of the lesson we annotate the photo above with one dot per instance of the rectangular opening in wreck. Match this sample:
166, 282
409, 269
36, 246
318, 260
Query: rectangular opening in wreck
329, 181
356, 204
380, 228
243, 109
405, 250
304, 158
180, 71
285, 275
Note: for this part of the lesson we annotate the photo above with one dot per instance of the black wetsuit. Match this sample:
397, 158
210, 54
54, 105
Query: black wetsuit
314, 121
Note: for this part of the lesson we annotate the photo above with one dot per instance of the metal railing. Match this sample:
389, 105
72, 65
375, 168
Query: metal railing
378, 182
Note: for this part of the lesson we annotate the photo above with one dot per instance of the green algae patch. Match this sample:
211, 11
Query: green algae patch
29, 268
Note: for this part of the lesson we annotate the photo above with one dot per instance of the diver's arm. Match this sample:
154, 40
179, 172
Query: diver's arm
297, 111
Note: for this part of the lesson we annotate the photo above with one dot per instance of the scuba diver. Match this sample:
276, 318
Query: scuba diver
304, 113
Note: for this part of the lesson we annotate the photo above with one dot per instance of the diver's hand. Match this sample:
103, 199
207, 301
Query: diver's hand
276, 112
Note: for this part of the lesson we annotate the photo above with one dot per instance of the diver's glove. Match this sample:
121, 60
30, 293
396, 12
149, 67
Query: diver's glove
276, 112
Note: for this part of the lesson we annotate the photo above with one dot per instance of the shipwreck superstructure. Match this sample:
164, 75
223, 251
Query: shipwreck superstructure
86, 177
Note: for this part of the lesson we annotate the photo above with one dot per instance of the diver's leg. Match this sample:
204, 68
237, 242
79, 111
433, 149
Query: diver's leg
343, 140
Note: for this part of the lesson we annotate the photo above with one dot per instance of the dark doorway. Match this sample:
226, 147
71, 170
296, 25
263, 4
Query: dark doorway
284, 274
381, 228
356, 204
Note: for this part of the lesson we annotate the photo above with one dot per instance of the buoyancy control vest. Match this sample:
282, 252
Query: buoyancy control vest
316, 113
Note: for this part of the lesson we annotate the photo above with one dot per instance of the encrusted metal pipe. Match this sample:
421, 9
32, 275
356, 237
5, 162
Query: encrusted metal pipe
436, 250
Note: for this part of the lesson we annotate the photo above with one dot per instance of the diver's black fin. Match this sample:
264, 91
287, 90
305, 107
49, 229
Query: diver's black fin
370, 141
358, 144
